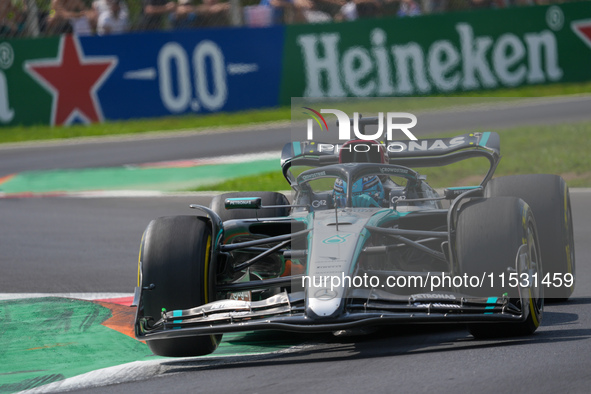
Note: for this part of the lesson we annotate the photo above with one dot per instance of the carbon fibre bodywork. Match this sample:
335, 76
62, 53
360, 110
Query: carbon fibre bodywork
263, 271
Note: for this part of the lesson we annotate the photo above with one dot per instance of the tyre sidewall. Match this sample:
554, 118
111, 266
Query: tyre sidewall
175, 257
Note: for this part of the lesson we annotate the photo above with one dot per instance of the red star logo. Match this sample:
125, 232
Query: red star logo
582, 29
73, 80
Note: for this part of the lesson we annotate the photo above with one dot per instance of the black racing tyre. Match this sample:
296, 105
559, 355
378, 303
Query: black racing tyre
175, 257
549, 198
268, 198
489, 234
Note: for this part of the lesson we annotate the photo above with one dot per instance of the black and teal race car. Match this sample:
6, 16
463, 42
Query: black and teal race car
364, 241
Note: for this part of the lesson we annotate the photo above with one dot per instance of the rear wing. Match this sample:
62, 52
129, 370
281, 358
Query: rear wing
430, 152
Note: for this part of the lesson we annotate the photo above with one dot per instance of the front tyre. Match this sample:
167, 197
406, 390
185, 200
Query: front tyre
490, 235
175, 258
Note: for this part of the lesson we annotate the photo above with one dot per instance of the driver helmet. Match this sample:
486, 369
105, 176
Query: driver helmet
367, 192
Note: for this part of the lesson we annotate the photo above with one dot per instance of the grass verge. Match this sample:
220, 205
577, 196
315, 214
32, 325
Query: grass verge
561, 149
138, 126
193, 122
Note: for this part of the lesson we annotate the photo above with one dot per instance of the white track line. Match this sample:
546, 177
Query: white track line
78, 296
142, 370
242, 158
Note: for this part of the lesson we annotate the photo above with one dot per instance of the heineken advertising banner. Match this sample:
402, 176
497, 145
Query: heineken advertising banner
443, 53
70, 79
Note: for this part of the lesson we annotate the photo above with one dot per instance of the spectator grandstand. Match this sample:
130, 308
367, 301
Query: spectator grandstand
32, 18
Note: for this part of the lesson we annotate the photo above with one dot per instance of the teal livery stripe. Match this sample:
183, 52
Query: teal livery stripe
491, 300
177, 313
297, 149
484, 138
463, 188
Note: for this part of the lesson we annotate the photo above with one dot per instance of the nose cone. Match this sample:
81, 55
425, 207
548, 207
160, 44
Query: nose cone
323, 303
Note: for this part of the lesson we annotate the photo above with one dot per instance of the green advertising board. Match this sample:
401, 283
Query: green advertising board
26, 94
438, 54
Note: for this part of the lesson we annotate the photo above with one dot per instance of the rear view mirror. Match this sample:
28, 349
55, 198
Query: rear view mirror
243, 203
452, 192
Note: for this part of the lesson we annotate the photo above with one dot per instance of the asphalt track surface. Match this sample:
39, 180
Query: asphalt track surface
56, 245
81, 245
119, 151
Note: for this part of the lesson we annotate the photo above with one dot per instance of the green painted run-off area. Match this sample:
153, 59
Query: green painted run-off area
131, 178
46, 340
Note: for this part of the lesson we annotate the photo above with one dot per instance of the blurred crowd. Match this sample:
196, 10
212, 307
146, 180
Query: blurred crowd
31, 18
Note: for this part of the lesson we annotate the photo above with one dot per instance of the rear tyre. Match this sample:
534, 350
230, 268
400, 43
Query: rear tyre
549, 198
175, 258
268, 198
489, 234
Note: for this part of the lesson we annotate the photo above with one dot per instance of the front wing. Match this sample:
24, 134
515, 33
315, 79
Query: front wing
364, 308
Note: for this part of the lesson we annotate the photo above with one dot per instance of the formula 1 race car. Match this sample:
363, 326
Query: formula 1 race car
364, 242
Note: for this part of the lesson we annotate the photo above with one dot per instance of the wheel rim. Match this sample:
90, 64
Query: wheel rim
534, 266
